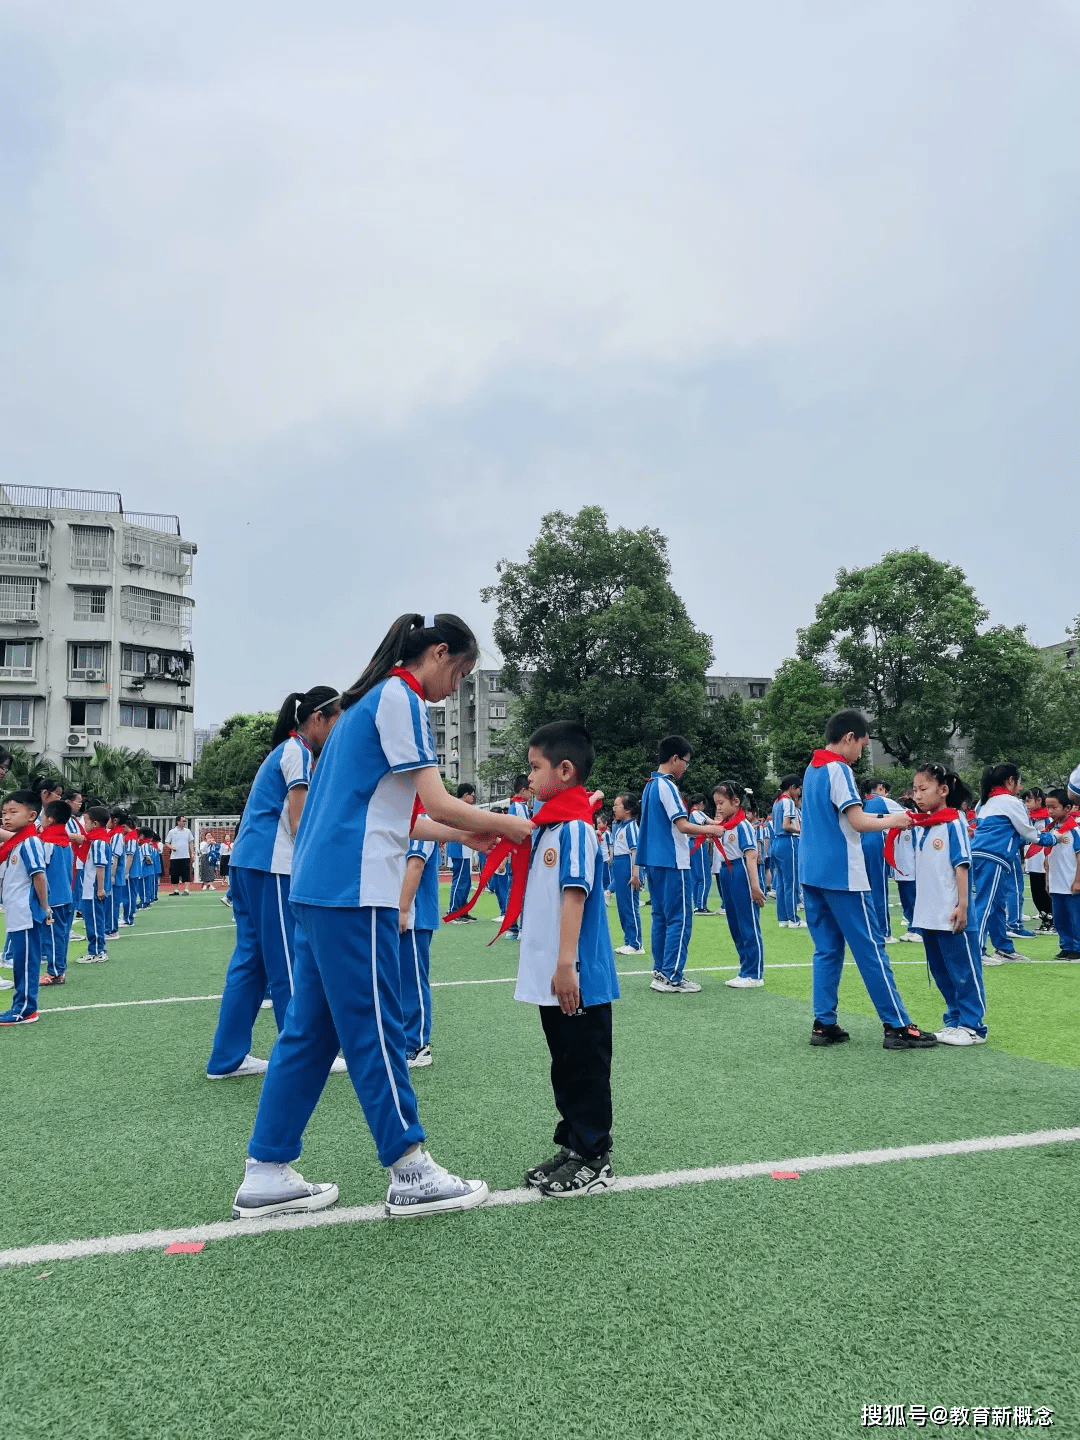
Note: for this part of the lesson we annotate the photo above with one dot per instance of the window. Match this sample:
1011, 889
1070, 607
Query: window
496, 712
16, 719
18, 598
85, 716
156, 554
87, 662
757, 691
90, 547
134, 660
147, 717
712, 689
89, 604
155, 607
24, 542
441, 758
495, 683
17, 659
166, 774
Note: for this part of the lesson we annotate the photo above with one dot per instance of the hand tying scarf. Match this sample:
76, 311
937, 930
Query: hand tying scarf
16, 840
729, 824
82, 847
944, 816
572, 804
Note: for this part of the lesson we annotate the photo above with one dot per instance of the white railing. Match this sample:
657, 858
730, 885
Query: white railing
24, 542
18, 599
155, 607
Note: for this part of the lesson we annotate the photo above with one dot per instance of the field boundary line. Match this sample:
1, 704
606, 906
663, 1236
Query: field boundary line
662, 1180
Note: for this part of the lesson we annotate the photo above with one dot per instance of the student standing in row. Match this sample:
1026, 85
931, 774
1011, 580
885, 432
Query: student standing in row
785, 827
700, 870
625, 877
95, 885
418, 919
378, 767
875, 793
1002, 828
1035, 861
460, 858
903, 870
55, 938
1063, 873
24, 894
734, 862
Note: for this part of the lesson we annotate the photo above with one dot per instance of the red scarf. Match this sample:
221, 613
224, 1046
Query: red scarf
82, 847
1043, 814
729, 824
825, 757
410, 680
55, 835
1070, 824
16, 840
944, 816
998, 790
572, 804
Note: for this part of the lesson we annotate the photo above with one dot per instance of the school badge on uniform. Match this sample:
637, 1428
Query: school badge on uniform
550, 856
939, 844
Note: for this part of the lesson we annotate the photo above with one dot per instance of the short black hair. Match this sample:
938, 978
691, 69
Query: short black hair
58, 811
520, 782
98, 814
631, 803
46, 782
789, 780
30, 798
871, 783
465, 789
731, 788
845, 722
70, 794
674, 746
1061, 796
1033, 794
698, 800
565, 740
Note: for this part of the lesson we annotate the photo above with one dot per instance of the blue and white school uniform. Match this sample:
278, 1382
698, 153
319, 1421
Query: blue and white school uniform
96, 912
261, 872
415, 950
349, 866
955, 961
604, 841
118, 889
24, 918
524, 810
877, 871
700, 873
665, 853
1060, 874
56, 937
733, 882
785, 880
132, 878
624, 844
1003, 828
460, 858
904, 875
835, 894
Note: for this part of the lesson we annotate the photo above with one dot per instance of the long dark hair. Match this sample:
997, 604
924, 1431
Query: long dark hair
300, 706
995, 775
407, 639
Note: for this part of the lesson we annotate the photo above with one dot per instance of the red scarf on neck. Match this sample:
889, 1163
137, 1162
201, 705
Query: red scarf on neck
55, 835
998, 790
410, 680
572, 804
16, 840
825, 757
82, 847
729, 824
1043, 814
1070, 824
944, 816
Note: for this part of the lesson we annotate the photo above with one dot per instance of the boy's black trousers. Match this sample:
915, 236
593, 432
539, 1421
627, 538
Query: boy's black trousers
1040, 895
580, 1048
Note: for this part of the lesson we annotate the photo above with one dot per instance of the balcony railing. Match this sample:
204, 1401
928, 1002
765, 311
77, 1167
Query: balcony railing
101, 502
167, 524
156, 608
18, 600
24, 542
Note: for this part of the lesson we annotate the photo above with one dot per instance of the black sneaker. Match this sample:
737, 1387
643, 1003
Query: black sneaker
538, 1174
823, 1034
907, 1037
1061, 955
578, 1177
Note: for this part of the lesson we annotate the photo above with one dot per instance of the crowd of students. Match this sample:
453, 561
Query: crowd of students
335, 890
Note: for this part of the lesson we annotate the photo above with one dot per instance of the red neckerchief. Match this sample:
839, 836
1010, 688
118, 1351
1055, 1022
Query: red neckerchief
128, 834
1070, 824
55, 835
998, 790
522, 799
16, 840
1043, 814
572, 804
730, 824
410, 680
82, 849
944, 816
295, 735
825, 757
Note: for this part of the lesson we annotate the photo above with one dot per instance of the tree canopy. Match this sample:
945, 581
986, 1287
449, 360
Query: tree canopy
229, 763
794, 711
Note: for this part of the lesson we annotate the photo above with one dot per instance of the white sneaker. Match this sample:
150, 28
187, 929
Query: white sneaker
955, 1035
1007, 955
628, 950
420, 1187
278, 1190
684, 986
250, 1065
339, 1067
994, 959
743, 982
892, 940
267, 1005
7, 984
89, 959
420, 1059
911, 937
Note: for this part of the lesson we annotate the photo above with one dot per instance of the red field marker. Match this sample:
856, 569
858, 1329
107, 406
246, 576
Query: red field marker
784, 1175
182, 1247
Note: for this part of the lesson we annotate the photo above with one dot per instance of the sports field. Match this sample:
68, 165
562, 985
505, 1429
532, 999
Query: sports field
733, 1306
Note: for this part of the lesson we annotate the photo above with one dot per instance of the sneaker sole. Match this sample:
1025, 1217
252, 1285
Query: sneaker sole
421, 1064
909, 1045
301, 1206
26, 1020
829, 1039
439, 1207
594, 1187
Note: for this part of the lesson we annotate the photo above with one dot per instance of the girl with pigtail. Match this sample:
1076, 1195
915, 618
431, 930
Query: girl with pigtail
377, 784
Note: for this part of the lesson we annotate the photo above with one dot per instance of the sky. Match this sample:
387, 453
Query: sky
361, 292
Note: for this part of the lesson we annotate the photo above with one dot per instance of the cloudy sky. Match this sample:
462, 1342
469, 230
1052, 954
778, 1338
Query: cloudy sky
362, 291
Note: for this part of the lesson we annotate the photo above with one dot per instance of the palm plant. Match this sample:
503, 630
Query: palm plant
116, 775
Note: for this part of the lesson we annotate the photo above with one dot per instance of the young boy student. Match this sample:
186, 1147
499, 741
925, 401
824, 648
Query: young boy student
785, 828
700, 869
626, 880
835, 888
664, 850
418, 919
460, 858
96, 878
566, 964
875, 793
25, 896
1063, 873
56, 843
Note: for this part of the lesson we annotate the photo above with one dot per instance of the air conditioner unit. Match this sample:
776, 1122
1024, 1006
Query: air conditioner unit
93, 674
136, 558
77, 742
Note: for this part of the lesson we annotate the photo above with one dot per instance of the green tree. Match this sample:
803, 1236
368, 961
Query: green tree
591, 629
793, 714
117, 776
727, 749
22, 768
229, 763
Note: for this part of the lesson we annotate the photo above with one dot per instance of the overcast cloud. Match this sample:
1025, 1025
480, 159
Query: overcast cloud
361, 294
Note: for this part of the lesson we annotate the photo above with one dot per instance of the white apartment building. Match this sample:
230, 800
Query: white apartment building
94, 627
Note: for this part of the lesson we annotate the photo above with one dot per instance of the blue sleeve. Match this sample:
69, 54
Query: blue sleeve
295, 764
424, 848
842, 788
631, 835
577, 856
959, 848
32, 854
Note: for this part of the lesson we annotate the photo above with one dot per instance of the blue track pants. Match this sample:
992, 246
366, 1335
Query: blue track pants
742, 917
460, 879
836, 917
785, 881
415, 958
955, 962
992, 883
347, 996
95, 921
672, 919
1067, 920
905, 889
877, 872
499, 885
264, 952
701, 870
628, 901
55, 939
25, 953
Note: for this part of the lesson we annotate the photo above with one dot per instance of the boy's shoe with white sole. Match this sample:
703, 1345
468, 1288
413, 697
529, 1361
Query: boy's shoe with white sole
1007, 955
420, 1187
250, 1065
419, 1059
683, 987
7, 984
90, 959
911, 937
627, 950
1020, 934
339, 1067
578, 1177
892, 940
278, 1190
959, 1035
536, 1175
744, 982
994, 959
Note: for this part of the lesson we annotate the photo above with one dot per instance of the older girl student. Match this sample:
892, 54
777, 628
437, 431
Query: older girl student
377, 771
735, 865
262, 869
1002, 828
943, 913
786, 824
1063, 873
625, 878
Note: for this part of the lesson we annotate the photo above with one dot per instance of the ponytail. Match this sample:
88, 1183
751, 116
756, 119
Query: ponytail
995, 775
406, 640
299, 707
731, 788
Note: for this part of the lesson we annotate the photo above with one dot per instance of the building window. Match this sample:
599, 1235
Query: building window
24, 542
496, 712
161, 664
495, 683
155, 607
712, 689
166, 774
155, 554
147, 717
85, 716
441, 758
18, 598
17, 659
16, 719
89, 604
87, 662
757, 691
90, 547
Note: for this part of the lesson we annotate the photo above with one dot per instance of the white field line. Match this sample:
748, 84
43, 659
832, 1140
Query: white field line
664, 1180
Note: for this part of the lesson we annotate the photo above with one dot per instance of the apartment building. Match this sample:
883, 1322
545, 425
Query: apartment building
94, 628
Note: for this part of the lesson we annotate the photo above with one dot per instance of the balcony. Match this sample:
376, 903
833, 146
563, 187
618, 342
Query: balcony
19, 600
154, 607
24, 542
